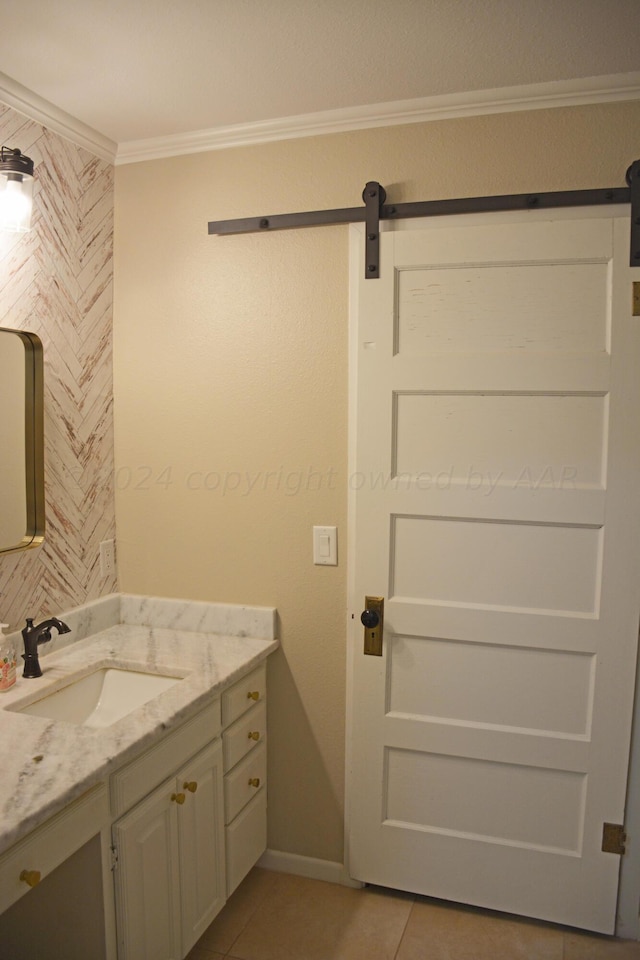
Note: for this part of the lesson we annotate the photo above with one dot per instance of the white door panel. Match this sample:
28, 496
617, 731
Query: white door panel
496, 510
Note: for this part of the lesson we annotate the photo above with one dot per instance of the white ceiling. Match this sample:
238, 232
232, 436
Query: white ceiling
137, 70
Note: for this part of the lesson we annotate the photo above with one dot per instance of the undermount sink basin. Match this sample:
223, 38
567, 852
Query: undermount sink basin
100, 698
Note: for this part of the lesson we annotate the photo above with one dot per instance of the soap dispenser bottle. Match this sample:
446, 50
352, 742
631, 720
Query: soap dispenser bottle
8, 660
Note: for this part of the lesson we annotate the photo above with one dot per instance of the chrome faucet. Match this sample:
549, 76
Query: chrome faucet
33, 637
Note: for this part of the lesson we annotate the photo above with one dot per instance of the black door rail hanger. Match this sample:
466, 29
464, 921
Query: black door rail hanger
376, 209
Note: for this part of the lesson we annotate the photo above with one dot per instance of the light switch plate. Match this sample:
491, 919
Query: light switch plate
325, 546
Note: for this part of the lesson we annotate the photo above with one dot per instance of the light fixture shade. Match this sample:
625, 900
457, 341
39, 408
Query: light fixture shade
16, 190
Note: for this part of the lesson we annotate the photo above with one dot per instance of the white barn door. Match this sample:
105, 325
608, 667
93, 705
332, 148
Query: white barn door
496, 501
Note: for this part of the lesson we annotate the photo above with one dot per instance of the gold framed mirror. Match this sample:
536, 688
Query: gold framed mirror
21, 441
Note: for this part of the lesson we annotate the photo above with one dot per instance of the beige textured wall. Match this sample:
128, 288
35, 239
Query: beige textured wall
231, 387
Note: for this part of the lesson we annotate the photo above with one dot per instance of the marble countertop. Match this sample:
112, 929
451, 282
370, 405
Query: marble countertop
46, 764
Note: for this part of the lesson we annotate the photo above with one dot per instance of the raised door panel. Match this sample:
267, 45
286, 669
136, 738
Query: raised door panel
147, 879
201, 838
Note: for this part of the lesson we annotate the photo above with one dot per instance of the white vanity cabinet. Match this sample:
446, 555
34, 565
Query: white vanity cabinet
169, 847
151, 855
244, 720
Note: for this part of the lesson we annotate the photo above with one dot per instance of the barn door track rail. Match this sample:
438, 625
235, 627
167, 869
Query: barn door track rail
376, 209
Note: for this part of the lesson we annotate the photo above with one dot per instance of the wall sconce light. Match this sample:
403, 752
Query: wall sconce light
16, 190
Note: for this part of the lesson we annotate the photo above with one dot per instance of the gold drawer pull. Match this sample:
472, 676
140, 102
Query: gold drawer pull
254, 782
190, 785
254, 735
178, 797
253, 695
31, 877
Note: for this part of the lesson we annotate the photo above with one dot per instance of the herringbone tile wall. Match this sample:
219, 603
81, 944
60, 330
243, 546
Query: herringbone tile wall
57, 282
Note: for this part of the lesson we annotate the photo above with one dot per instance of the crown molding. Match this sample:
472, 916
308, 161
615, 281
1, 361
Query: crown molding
537, 96
36, 108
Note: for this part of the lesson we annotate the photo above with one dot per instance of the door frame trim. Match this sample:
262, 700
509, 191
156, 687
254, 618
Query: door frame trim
627, 914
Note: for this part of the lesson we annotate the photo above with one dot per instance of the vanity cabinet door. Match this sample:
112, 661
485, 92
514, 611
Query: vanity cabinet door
201, 839
170, 880
147, 879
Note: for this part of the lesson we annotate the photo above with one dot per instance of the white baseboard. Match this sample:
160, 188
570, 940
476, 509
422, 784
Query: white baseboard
310, 867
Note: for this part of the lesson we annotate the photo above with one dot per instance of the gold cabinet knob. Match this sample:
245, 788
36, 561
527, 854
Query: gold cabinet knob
178, 797
190, 785
253, 695
31, 877
254, 782
254, 735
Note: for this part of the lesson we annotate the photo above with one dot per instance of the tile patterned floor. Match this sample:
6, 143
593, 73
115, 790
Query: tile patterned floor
276, 916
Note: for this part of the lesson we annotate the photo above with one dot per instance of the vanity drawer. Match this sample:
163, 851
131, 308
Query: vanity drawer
139, 777
52, 843
246, 840
241, 785
242, 695
243, 735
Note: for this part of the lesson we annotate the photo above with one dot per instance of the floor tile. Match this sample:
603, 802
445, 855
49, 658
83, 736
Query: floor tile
274, 916
302, 919
238, 910
579, 946
443, 932
201, 953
